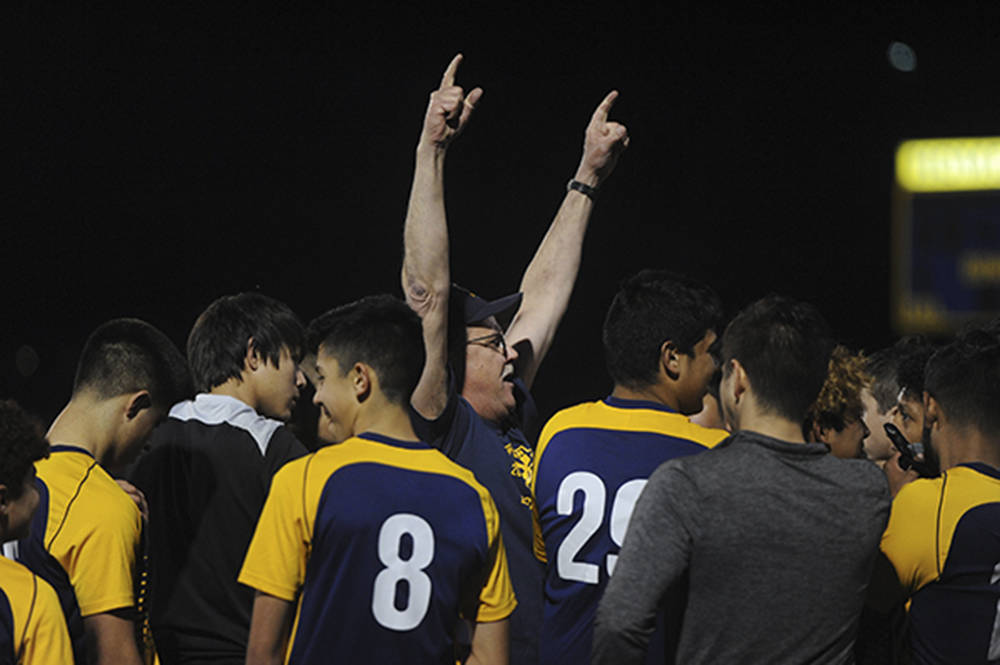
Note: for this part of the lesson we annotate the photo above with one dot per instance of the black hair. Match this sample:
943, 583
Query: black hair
217, 345
784, 346
914, 352
380, 331
127, 355
22, 442
964, 378
650, 308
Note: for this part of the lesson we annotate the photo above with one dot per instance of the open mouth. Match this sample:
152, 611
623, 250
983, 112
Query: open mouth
508, 373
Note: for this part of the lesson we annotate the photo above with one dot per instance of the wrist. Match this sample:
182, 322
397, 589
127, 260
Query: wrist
575, 185
432, 150
587, 177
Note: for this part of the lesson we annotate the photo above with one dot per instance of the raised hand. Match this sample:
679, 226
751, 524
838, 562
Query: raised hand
603, 143
449, 109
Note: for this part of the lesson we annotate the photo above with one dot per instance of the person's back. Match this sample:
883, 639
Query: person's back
783, 536
384, 574
593, 459
90, 559
774, 538
207, 470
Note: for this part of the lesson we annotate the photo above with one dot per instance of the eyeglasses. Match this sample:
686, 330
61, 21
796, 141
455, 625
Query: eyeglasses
493, 341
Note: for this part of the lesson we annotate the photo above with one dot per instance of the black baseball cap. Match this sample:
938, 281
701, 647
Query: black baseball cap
476, 309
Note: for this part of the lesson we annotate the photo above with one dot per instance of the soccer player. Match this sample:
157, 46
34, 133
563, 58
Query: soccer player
943, 538
774, 537
32, 626
593, 459
379, 544
836, 418
207, 472
475, 404
85, 537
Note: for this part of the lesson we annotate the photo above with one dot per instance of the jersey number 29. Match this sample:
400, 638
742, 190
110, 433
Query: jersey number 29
594, 495
397, 569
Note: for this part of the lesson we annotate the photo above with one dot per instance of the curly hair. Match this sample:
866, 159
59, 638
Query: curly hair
839, 401
22, 442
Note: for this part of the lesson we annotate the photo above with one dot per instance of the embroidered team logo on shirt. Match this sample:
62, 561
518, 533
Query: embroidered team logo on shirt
520, 467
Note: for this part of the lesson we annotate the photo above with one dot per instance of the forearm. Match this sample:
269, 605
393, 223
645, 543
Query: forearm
110, 639
425, 231
548, 280
270, 625
490, 643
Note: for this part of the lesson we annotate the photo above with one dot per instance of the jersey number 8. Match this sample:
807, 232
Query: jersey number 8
397, 569
594, 494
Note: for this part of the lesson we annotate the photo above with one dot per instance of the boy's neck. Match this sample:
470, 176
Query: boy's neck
86, 423
242, 389
386, 419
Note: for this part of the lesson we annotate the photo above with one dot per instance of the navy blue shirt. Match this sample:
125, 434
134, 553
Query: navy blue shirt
501, 458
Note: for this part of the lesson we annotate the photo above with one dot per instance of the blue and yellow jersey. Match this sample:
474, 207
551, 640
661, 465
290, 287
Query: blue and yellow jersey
32, 628
383, 544
84, 537
943, 539
591, 464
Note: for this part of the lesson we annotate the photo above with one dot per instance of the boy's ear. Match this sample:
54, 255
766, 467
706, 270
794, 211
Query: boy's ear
251, 361
932, 412
740, 381
137, 402
670, 359
361, 380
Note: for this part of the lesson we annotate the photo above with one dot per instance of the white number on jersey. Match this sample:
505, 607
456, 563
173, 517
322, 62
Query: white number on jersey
396, 570
594, 494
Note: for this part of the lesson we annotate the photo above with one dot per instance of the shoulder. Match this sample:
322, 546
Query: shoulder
212, 410
15, 578
918, 498
600, 415
860, 472
111, 505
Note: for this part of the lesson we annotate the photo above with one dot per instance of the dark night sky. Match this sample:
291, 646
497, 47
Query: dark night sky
164, 157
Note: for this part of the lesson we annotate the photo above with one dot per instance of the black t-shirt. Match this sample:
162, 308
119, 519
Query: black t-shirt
206, 476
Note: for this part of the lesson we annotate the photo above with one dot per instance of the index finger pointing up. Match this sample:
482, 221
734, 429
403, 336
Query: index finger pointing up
448, 79
602, 110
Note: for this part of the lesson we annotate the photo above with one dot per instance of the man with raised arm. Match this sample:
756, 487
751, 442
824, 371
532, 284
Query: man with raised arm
472, 400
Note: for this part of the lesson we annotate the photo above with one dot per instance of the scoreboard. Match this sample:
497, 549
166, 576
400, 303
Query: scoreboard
946, 234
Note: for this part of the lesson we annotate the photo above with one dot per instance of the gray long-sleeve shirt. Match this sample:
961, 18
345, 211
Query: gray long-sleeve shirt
778, 541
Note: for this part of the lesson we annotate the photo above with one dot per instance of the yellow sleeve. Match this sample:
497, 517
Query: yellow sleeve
276, 560
539, 540
100, 556
46, 640
909, 538
550, 429
496, 601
